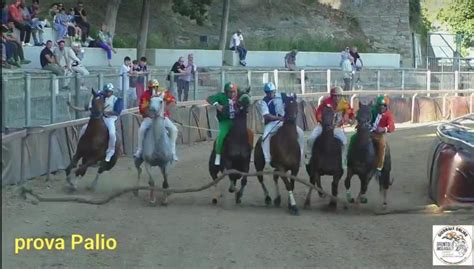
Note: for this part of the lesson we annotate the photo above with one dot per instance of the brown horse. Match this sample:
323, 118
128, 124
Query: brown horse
93, 145
286, 155
361, 159
236, 153
326, 157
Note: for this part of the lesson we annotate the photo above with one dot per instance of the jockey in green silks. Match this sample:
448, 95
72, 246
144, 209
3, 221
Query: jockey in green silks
225, 105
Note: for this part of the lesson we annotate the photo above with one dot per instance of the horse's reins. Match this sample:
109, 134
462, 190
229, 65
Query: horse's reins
263, 139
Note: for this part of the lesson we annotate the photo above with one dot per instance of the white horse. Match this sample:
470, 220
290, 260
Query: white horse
157, 148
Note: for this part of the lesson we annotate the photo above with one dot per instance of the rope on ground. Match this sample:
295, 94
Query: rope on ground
417, 209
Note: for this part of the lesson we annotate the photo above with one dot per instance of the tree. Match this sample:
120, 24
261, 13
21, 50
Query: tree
194, 9
224, 23
111, 15
143, 34
459, 15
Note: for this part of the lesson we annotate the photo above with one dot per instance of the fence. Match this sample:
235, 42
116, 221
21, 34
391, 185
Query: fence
39, 99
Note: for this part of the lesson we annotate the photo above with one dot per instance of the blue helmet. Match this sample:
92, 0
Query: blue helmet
269, 87
109, 87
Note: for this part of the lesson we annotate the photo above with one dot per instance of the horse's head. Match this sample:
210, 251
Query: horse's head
364, 116
156, 107
97, 104
243, 101
291, 108
328, 117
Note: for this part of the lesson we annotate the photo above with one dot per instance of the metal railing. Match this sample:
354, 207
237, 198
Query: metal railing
39, 99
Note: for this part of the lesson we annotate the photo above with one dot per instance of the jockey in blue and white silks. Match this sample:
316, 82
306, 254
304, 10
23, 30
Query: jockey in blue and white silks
113, 108
272, 107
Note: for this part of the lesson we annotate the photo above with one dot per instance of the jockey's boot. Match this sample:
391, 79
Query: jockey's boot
378, 173
175, 157
137, 155
217, 160
109, 154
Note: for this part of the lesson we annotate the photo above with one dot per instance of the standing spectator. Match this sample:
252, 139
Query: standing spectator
290, 60
125, 73
237, 44
177, 69
11, 43
75, 57
48, 61
37, 25
189, 72
104, 41
347, 72
344, 55
357, 60
133, 82
81, 21
15, 14
142, 72
62, 55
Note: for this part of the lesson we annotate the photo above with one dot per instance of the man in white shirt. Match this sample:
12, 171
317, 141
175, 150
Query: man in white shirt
74, 58
62, 55
124, 80
237, 44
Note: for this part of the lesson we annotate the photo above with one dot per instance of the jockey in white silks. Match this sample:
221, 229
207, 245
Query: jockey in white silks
272, 108
113, 108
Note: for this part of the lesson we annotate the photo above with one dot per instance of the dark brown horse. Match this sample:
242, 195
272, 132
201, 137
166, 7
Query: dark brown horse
93, 144
236, 153
326, 157
361, 159
286, 155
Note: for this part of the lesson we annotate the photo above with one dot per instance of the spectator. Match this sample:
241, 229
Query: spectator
104, 41
61, 54
5, 64
73, 31
142, 72
125, 73
344, 55
5, 16
357, 60
135, 69
347, 72
81, 21
60, 23
15, 14
36, 24
190, 71
75, 61
290, 60
237, 44
178, 68
12, 44
48, 61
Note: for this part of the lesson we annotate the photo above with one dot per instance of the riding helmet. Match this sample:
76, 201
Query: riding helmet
230, 87
153, 83
109, 87
269, 87
336, 90
382, 100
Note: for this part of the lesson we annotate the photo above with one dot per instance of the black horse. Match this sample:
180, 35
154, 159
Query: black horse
361, 158
326, 158
237, 151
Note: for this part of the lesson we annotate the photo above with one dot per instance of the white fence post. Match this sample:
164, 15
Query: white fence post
303, 85
27, 100
428, 82
328, 80
124, 89
456, 82
275, 77
4, 103
249, 78
378, 80
222, 80
53, 99
196, 84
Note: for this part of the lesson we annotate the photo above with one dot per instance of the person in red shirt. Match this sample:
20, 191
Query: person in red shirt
154, 89
343, 113
382, 123
15, 14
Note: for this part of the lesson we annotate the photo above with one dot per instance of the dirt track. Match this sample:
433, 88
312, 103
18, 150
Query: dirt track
192, 233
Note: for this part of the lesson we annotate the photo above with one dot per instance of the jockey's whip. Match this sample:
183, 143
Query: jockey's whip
263, 139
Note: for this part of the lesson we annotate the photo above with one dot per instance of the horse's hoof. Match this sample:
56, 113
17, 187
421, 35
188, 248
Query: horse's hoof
238, 197
152, 202
268, 200
135, 193
231, 189
321, 195
294, 211
214, 201
277, 201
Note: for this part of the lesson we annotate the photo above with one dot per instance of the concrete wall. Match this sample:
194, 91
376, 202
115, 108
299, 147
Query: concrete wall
167, 57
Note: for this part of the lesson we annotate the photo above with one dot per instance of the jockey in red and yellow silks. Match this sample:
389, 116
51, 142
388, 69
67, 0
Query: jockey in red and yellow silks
154, 89
382, 123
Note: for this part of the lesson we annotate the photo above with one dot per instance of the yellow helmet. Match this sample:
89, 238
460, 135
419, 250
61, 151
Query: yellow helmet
153, 83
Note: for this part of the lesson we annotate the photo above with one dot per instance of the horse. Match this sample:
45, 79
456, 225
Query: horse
236, 153
158, 149
326, 157
92, 145
286, 155
361, 159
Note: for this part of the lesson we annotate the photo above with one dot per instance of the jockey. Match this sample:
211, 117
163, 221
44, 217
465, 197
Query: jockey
382, 122
154, 89
113, 107
343, 114
224, 103
272, 107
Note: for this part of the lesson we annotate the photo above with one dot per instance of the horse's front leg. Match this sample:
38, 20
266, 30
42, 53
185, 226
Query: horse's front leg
151, 183
138, 162
240, 193
347, 184
291, 199
164, 171
364, 182
334, 187
277, 200
268, 199
72, 165
312, 180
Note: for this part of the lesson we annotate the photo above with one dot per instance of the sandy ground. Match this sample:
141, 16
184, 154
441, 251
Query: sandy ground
193, 233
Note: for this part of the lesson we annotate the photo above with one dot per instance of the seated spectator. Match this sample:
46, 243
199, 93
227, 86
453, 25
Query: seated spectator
15, 14
237, 44
75, 61
81, 21
37, 25
74, 31
48, 61
5, 64
4, 13
63, 54
290, 60
104, 41
60, 23
12, 44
